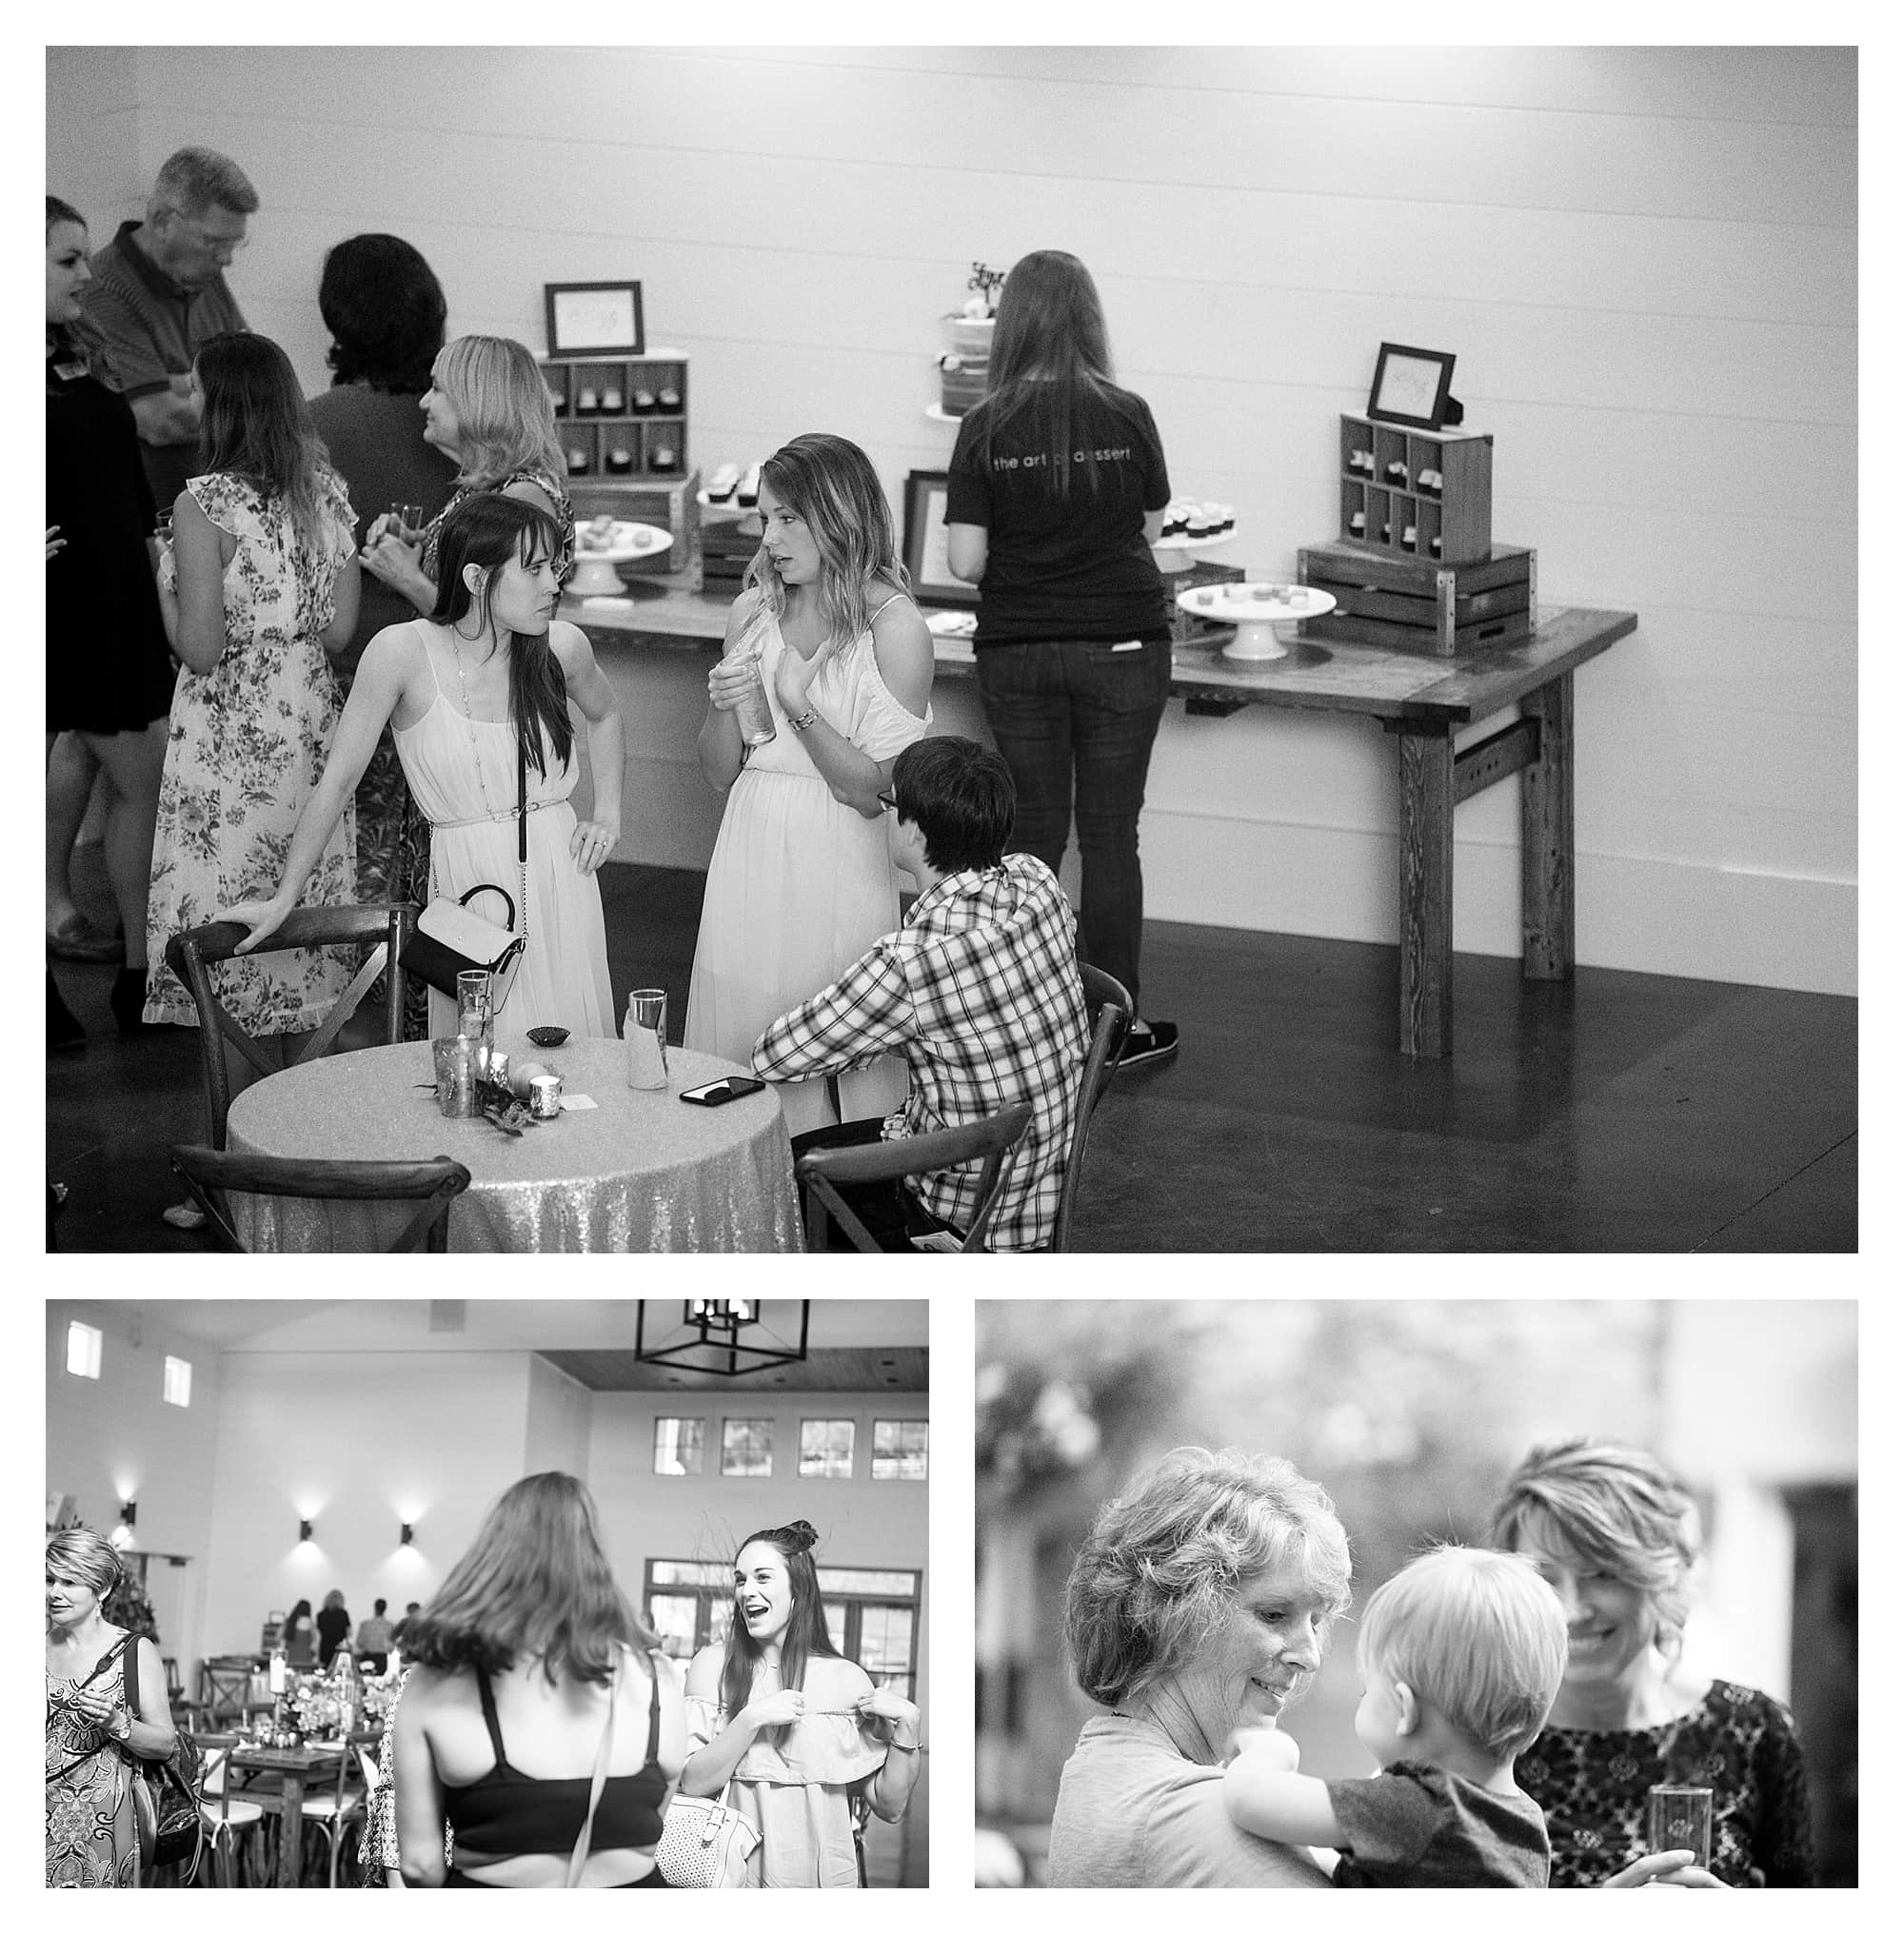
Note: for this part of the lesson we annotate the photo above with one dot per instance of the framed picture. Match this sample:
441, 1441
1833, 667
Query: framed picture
1411, 386
594, 318
924, 556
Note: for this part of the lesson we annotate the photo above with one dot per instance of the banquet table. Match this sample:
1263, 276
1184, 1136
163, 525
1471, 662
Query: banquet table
639, 1171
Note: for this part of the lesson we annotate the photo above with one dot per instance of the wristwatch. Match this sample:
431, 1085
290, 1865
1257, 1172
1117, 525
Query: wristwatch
807, 719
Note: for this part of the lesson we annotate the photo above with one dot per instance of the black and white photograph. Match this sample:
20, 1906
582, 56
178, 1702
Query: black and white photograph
486, 1593
1424, 1594
788, 646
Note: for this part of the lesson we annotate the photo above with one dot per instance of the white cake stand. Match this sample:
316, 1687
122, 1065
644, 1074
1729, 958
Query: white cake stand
1257, 610
595, 574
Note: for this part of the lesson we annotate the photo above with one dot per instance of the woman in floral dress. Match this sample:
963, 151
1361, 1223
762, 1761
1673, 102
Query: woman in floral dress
262, 583
92, 1839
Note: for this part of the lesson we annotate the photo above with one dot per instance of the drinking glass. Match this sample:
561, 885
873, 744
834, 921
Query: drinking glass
408, 520
646, 1036
1680, 1817
472, 1004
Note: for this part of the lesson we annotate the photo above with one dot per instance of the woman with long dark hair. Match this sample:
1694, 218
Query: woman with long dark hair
109, 672
527, 1659
261, 582
798, 1739
1057, 491
385, 310
479, 693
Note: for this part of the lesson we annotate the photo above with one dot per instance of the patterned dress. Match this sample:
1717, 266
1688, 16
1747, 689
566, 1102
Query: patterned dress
248, 746
1592, 1785
92, 1839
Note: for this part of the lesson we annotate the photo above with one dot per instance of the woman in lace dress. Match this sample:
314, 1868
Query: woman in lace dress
1615, 1535
92, 1736
797, 1738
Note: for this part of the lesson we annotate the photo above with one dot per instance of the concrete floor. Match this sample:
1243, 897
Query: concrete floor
1622, 1112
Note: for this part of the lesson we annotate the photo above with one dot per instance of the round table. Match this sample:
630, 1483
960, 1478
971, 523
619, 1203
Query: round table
639, 1171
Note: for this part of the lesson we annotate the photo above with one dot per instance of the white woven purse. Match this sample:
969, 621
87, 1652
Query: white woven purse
704, 1843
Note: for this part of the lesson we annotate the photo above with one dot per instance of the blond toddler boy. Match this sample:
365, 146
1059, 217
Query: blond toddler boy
1461, 1655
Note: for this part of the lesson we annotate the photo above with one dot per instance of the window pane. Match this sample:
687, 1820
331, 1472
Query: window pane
747, 1447
82, 1349
835, 1614
687, 1571
844, 1584
885, 1640
178, 1381
677, 1443
898, 1448
825, 1447
672, 1616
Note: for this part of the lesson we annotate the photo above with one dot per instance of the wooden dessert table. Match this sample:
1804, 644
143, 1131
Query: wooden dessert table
1423, 702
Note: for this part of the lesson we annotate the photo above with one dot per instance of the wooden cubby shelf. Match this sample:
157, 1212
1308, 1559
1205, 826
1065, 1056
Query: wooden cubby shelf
621, 419
1417, 493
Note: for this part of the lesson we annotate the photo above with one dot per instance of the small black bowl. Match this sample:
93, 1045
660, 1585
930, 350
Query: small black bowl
548, 1036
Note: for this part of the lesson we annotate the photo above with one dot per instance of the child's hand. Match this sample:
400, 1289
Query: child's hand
1268, 1746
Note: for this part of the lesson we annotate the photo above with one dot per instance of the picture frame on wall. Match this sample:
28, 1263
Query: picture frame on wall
1411, 386
594, 319
925, 552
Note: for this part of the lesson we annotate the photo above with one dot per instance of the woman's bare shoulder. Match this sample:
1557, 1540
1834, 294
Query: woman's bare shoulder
704, 1672
837, 1678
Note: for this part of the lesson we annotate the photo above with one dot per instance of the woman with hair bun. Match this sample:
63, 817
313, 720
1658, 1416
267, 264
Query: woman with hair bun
92, 1738
797, 1738
529, 1657
1615, 1536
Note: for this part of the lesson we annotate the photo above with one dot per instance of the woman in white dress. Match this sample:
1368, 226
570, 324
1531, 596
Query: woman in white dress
801, 883
486, 678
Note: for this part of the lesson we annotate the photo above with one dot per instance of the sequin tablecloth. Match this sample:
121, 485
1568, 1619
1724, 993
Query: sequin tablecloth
639, 1171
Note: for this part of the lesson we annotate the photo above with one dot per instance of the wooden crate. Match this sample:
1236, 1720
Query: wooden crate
1415, 604
731, 534
670, 506
1426, 494
606, 431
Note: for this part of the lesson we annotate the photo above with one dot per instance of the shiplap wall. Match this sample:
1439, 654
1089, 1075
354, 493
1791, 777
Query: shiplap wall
1645, 259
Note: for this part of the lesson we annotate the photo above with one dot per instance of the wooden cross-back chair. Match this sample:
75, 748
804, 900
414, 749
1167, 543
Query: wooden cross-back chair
383, 930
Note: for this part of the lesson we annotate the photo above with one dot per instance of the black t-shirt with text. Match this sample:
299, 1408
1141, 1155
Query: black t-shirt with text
1071, 566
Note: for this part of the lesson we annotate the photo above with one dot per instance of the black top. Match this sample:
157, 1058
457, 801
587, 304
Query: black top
1419, 1826
1739, 1742
108, 667
334, 1627
507, 1811
1072, 566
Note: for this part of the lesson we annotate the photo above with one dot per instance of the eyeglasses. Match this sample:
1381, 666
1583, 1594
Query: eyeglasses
887, 800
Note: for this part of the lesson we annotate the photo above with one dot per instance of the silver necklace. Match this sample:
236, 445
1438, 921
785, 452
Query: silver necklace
469, 723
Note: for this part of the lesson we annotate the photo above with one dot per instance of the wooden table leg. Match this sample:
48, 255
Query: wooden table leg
290, 1832
1427, 880
1547, 838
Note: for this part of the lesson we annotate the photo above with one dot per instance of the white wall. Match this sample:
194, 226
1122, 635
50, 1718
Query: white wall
1645, 259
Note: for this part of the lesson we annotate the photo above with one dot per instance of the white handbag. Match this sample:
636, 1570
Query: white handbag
704, 1843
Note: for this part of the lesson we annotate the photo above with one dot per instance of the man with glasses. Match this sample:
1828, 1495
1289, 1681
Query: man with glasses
159, 291
978, 991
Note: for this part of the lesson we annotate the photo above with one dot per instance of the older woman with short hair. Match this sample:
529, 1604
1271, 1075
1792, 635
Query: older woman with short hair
98, 1675
1202, 1601
1616, 1535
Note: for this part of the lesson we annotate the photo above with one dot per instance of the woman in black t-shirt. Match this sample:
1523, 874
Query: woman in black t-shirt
1055, 494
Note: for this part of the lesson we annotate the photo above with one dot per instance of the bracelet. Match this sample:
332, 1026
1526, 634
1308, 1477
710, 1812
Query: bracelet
899, 1745
806, 720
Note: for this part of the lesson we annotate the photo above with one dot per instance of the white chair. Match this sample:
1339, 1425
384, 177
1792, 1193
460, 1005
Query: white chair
222, 1818
333, 1812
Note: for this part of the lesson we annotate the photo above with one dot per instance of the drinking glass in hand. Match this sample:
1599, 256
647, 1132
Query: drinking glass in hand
406, 522
1680, 1817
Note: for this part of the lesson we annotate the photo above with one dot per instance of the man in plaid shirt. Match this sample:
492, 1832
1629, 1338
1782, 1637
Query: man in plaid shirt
978, 990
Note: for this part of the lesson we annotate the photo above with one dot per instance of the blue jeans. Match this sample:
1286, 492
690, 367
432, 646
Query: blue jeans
1078, 709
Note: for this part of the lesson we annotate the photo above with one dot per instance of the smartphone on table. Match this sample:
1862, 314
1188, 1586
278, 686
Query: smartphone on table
730, 1088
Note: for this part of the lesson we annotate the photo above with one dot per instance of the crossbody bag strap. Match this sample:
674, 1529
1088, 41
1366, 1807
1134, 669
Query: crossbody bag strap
579, 1859
99, 1665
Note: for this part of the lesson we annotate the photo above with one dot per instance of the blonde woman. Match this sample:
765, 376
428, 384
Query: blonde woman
92, 1837
489, 408
802, 882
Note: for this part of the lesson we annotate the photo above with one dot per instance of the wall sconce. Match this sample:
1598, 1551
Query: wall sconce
128, 1511
409, 1535
304, 1530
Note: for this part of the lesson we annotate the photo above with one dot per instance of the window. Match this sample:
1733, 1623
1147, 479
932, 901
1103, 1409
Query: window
678, 1445
825, 1447
871, 1616
178, 1382
747, 1447
898, 1448
82, 1349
